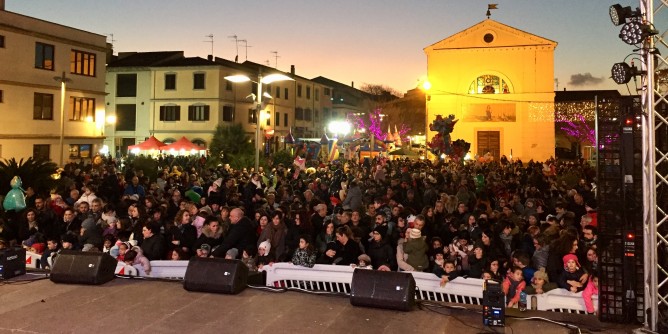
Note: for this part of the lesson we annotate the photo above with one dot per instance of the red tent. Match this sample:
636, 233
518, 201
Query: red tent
151, 143
182, 144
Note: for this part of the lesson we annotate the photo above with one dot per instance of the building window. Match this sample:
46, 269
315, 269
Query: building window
198, 113
41, 151
308, 92
44, 56
80, 151
82, 63
285, 119
317, 94
308, 115
170, 81
126, 85
251, 116
1, 96
126, 117
286, 94
278, 93
43, 106
299, 114
2, 41
489, 84
325, 91
299, 90
170, 113
83, 109
277, 118
198, 81
228, 114
228, 85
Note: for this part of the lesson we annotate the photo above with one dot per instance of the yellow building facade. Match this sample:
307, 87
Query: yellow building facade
498, 83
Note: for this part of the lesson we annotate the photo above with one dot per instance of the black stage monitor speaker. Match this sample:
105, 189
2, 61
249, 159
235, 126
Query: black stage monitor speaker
12, 262
493, 304
215, 275
383, 289
83, 267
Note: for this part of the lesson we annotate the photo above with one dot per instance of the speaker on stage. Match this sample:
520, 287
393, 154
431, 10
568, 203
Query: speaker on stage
83, 267
12, 262
215, 275
383, 289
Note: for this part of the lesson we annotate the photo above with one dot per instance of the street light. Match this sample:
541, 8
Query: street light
63, 80
258, 100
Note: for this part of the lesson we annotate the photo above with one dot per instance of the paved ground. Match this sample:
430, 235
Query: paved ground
136, 306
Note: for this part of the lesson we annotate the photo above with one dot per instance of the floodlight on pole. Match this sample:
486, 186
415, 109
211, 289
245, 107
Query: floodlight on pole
623, 72
619, 15
258, 100
635, 32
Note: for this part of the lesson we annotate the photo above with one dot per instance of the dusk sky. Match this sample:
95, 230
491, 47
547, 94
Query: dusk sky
368, 41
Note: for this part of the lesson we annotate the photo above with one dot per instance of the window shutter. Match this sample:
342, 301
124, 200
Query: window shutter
178, 113
191, 111
162, 113
206, 113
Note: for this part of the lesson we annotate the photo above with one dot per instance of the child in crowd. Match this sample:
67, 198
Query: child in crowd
573, 275
447, 273
540, 283
513, 285
109, 241
177, 254
305, 255
589, 291
263, 257
487, 275
522, 260
364, 262
144, 267
123, 248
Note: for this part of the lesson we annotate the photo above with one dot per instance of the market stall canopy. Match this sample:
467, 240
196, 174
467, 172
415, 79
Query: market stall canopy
182, 144
151, 143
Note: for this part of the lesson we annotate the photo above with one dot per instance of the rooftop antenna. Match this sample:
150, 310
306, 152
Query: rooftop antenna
210, 36
245, 46
556, 82
112, 37
276, 56
490, 7
236, 43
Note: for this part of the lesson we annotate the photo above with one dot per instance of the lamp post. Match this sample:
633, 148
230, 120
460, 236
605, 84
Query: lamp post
258, 100
63, 80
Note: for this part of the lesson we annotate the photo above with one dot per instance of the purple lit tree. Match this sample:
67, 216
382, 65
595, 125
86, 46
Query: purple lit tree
579, 130
374, 121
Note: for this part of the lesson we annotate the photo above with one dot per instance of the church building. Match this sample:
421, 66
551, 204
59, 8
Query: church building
497, 81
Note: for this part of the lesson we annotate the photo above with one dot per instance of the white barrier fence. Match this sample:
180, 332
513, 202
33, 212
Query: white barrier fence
338, 279
460, 290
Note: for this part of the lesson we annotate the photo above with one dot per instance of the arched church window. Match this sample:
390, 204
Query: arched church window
489, 84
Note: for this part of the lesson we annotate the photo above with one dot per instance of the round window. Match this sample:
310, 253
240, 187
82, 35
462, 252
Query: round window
488, 38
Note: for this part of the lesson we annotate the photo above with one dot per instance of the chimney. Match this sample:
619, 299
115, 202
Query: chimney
292, 68
2, 4
209, 57
352, 84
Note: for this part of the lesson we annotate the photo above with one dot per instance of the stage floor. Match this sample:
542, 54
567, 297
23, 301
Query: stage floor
137, 306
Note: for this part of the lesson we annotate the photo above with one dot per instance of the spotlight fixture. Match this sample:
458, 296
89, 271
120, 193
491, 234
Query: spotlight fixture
619, 14
622, 73
635, 32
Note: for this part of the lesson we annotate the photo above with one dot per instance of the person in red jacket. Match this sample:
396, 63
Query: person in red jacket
513, 285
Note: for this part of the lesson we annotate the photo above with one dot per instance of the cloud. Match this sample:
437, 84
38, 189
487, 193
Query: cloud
582, 79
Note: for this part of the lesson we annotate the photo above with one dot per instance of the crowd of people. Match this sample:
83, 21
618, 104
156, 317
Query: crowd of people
525, 225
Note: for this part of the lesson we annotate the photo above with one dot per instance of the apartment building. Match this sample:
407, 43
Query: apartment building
168, 95
42, 117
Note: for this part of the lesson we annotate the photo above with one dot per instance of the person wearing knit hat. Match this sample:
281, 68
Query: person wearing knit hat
573, 278
416, 249
415, 233
540, 283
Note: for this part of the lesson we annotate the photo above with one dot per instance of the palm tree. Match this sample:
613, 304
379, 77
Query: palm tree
230, 144
33, 173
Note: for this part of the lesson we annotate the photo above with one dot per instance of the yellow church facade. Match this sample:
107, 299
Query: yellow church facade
498, 83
